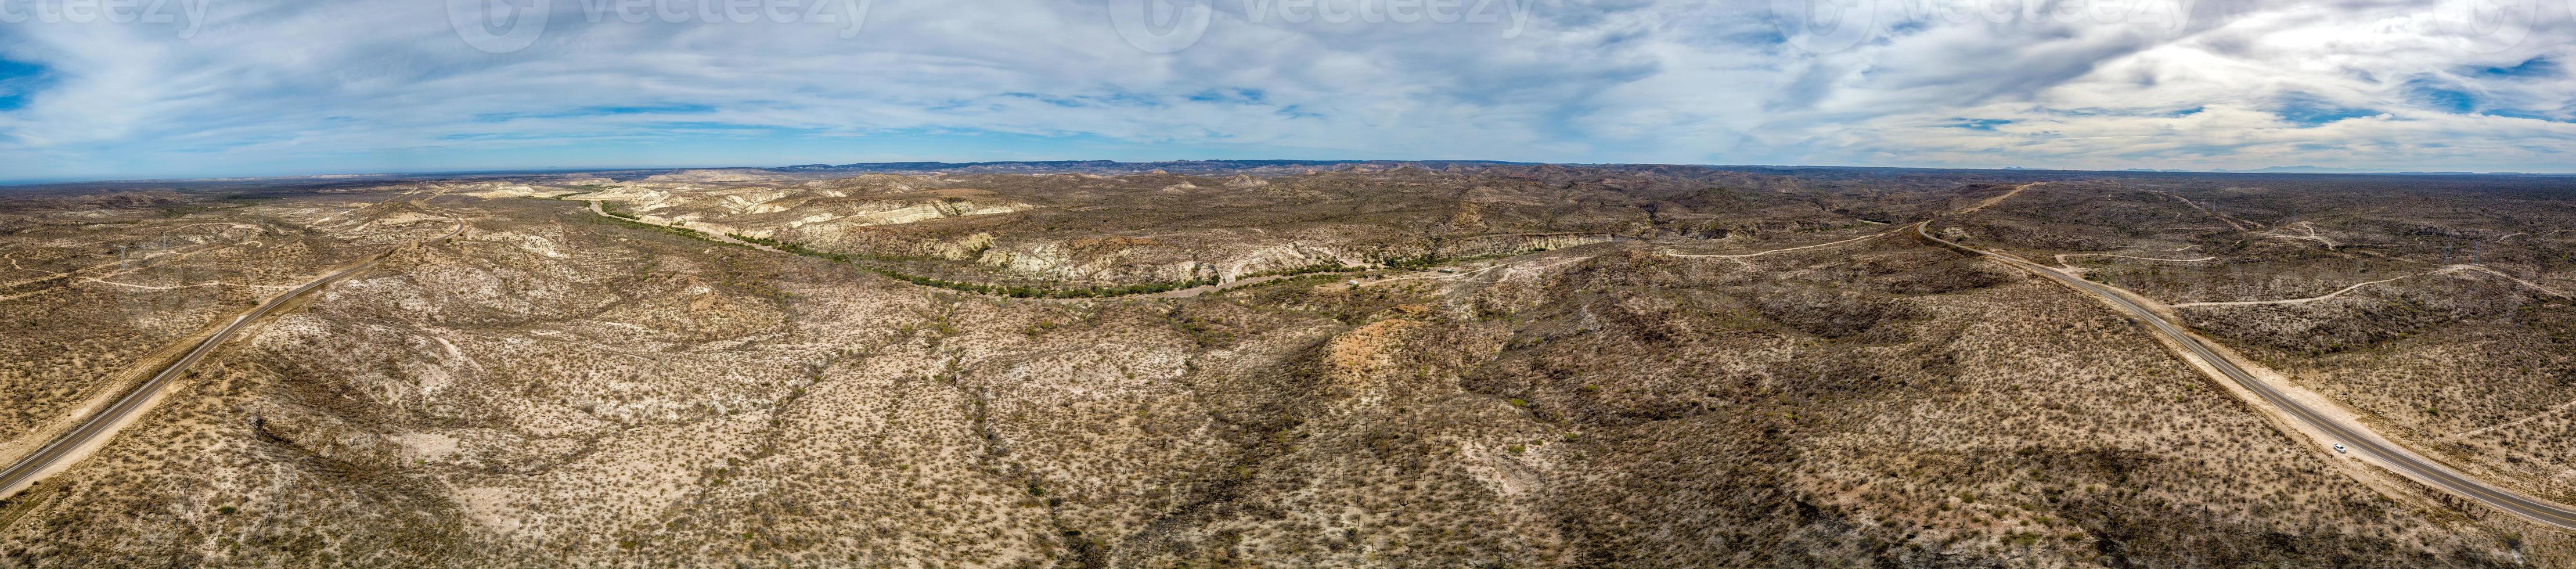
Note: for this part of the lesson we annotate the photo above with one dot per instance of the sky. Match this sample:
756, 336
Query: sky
132, 89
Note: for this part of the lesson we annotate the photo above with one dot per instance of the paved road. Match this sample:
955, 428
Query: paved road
2358, 438
105, 422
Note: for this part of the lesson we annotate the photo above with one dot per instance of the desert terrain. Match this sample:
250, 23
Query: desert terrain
1284, 364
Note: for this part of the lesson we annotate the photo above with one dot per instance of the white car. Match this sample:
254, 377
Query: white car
2339, 448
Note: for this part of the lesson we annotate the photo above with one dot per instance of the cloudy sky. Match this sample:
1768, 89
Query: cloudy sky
193, 88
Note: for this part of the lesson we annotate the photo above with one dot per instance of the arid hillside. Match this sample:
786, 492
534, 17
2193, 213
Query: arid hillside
1284, 365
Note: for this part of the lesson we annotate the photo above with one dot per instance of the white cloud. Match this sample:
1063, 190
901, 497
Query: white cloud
339, 86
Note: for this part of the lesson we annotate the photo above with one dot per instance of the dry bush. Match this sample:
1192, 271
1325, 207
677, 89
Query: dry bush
555, 388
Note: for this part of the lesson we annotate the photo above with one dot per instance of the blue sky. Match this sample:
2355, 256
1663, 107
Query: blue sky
263, 87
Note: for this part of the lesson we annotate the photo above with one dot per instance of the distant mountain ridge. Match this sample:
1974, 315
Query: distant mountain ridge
1116, 167
1206, 167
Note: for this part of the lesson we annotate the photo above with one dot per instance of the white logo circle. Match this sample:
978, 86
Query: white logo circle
2488, 26
1824, 26
498, 26
1161, 26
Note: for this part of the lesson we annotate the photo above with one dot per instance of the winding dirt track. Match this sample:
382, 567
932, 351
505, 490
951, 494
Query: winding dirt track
104, 424
1670, 252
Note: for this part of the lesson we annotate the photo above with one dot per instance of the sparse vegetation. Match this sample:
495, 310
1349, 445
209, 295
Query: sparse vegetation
556, 387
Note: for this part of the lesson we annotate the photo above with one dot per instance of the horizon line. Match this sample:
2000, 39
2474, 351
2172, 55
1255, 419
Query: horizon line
2300, 169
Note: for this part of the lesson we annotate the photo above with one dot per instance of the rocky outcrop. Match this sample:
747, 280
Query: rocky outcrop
837, 215
807, 213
